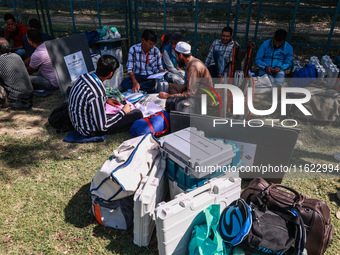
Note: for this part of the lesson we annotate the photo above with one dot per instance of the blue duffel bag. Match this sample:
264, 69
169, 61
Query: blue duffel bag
158, 124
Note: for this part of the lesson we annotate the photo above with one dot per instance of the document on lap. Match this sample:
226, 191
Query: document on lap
157, 75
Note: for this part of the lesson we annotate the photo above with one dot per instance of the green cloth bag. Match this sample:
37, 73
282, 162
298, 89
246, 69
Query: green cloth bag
115, 93
205, 238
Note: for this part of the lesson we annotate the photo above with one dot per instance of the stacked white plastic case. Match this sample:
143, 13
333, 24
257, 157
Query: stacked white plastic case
192, 158
150, 192
319, 68
332, 70
176, 219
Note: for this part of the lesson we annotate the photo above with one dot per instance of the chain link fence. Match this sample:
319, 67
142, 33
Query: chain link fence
312, 26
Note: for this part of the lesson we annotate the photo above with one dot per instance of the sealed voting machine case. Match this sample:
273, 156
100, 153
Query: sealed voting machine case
192, 159
150, 192
176, 219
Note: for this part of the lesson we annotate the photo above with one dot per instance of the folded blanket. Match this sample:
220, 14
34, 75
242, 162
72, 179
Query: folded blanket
75, 137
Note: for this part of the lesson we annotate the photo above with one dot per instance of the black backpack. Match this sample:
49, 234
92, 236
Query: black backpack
272, 232
60, 120
181, 104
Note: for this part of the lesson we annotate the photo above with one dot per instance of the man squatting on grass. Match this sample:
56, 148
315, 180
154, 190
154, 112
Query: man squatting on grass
40, 62
15, 85
87, 103
197, 74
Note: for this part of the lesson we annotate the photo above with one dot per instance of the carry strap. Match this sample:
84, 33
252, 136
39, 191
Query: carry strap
97, 214
249, 57
151, 127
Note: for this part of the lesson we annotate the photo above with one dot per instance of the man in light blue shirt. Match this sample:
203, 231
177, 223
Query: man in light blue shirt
274, 57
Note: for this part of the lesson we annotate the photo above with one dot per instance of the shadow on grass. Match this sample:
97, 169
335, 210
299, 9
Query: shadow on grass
121, 241
77, 213
22, 154
77, 210
334, 197
299, 154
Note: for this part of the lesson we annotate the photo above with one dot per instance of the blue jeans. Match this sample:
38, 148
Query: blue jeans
146, 84
278, 78
20, 52
41, 83
216, 70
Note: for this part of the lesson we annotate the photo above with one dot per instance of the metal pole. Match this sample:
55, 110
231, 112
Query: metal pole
49, 18
164, 16
74, 25
131, 23
248, 22
15, 10
297, 3
99, 18
229, 11
196, 21
236, 19
136, 19
332, 28
257, 20
126, 22
43, 16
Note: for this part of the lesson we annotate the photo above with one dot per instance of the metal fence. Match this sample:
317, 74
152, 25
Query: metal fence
312, 25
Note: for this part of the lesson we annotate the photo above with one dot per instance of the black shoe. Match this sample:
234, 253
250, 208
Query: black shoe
19, 105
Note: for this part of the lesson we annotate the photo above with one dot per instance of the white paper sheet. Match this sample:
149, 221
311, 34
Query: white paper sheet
148, 110
157, 75
75, 65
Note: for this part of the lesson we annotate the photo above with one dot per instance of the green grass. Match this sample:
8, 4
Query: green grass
44, 184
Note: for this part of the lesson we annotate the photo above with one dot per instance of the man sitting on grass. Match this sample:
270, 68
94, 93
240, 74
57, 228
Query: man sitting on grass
274, 57
87, 103
40, 61
15, 85
197, 74
144, 59
15, 31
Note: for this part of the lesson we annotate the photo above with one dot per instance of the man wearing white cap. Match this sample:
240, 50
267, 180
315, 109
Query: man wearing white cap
197, 73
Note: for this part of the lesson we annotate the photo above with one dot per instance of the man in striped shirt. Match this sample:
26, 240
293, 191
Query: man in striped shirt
221, 53
87, 103
144, 59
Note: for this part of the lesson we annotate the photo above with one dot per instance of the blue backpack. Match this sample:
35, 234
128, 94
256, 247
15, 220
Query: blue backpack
304, 76
158, 124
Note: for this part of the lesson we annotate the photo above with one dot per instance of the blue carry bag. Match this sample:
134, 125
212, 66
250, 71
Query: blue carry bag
158, 124
304, 76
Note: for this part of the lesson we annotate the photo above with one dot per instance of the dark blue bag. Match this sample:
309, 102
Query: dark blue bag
304, 76
92, 36
158, 124
337, 62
